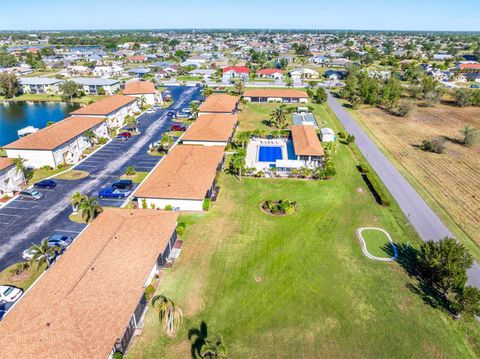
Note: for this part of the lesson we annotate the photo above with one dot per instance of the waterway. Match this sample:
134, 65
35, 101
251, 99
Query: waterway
17, 115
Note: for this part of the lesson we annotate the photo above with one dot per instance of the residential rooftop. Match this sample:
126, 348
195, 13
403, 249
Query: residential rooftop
220, 104
5, 163
94, 81
55, 135
289, 93
105, 106
139, 88
211, 128
187, 172
39, 81
305, 141
83, 303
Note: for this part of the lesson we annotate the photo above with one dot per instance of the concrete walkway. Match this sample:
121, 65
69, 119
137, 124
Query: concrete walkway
421, 216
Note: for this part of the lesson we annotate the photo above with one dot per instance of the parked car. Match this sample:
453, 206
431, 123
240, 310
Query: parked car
111, 192
198, 84
183, 115
187, 110
59, 241
125, 134
178, 128
28, 254
48, 183
9, 293
475, 86
171, 113
123, 184
121, 138
32, 194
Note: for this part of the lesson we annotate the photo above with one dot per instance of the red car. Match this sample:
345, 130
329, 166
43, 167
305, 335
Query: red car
178, 128
125, 134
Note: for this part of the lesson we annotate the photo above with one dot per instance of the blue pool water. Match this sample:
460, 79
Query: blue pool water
269, 153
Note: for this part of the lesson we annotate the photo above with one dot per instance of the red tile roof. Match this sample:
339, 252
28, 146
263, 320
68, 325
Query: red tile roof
137, 58
83, 303
238, 69
105, 106
5, 163
139, 87
211, 128
305, 141
55, 135
270, 72
220, 104
470, 66
290, 93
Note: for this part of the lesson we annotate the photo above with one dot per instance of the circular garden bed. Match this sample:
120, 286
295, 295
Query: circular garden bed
377, 244
282, 207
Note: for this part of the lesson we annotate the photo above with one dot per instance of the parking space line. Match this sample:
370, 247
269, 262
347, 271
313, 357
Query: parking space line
84, 165
64, 230
9, 215
113, 200
26, 201
9, 207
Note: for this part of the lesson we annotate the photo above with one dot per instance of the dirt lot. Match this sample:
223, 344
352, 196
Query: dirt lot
453, 178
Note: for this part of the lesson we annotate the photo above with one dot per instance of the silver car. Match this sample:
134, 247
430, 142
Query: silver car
32, 194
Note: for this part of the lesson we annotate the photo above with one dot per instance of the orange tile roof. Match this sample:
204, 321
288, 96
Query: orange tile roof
212, 127
305, 141
55, 135
187, 172
5, 163
84, 302
470, 66
105, 106
219, 104
275, 93
139, 87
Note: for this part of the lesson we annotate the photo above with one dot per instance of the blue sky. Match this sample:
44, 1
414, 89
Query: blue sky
454, 15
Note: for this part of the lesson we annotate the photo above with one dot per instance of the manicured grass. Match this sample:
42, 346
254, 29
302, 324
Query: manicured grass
46, 98
136, 178
42, 173
73, 175
299, 285
27, 278
76, 217
377, 243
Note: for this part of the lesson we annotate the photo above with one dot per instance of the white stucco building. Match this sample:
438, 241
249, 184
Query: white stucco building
143, 89
10, 178
93, 85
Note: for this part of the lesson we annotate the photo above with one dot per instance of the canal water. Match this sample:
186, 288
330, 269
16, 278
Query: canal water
17, 115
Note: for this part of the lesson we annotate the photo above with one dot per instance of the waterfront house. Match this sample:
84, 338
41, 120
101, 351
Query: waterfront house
40, 85
94, 85
114, 108
10, 177
91, 301
183, 179
60, 143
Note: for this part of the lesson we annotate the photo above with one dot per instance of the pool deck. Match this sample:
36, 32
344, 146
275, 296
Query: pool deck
253, 148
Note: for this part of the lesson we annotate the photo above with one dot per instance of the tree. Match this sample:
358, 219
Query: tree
444, 265
237, 164
207, 91
76, 199
19, 164
467, 302
9, 84
194, 108
166, 142
7, 60
70, 89
90, 136
289, 82
131, 121
279, 116
243, 138
169, 314
43, 253
350, 139
239, 87
436, 145
213, 348
90, 209
471, 135
391, 92
320, 96
142, 101
404, 108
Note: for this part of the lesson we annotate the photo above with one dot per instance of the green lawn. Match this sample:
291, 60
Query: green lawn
136, 178
24, 281
299, 286
88, 99
42, 173
73, 175
377, 243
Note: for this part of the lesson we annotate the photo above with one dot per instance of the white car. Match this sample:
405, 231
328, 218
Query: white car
28, 254
9, 294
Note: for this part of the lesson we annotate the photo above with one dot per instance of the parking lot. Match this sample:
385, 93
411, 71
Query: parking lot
23, 222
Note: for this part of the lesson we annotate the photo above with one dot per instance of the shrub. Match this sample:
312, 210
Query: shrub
404, 108
181, 227
47, 168
62, 165
342, 134
102, 140
20, 268
130, 171
471, 136
350, 139
436, 145
280, 207
168, 207
149, 291
206, 204
144, 203
117, 355
152, 205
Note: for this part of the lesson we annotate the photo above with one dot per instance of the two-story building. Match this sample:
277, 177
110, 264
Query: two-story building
40, 85
95, 85
10, 177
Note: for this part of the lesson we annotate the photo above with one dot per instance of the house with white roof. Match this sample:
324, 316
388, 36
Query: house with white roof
40, 85
93, 85
108, 71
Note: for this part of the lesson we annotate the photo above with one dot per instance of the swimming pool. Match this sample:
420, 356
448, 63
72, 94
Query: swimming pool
269, 153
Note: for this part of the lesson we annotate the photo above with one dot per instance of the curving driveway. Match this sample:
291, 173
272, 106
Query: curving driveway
420, 215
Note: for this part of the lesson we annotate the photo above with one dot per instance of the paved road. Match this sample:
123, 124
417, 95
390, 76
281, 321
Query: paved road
24, 222
421, 216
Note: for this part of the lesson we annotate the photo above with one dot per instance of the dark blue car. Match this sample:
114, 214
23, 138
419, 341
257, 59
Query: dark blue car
48, 183
111, 192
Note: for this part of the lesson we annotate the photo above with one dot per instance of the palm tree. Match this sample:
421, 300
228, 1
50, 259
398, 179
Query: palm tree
239, 87
43, 253
169, 314
90, 209
194, 108
279, 116
207, 91
238, 163
213, 348
289, 82
19, 163
131, 121
90, 136
143, 101
243, 138
76, 199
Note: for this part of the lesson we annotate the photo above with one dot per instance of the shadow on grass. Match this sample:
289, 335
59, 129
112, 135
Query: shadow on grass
197, 337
